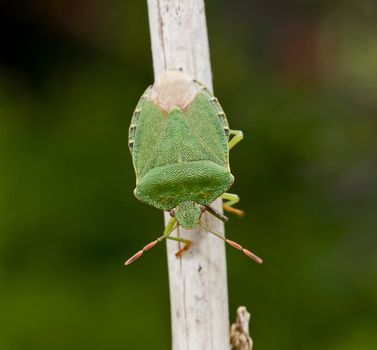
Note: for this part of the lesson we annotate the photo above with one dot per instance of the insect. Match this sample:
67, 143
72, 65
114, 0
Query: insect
179, 139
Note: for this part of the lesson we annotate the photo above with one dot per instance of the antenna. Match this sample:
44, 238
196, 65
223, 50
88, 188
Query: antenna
247, 252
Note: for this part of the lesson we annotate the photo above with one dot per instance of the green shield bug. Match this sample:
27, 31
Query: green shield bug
179, 142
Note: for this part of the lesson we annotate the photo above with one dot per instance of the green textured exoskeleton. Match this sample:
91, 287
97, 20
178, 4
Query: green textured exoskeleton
179, 141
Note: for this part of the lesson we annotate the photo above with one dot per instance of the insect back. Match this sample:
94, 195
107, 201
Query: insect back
179, 141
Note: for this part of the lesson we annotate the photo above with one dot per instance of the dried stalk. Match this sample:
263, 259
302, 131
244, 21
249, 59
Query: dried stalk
198, 281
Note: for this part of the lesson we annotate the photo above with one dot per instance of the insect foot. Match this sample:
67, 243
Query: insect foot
230, 209
186, 247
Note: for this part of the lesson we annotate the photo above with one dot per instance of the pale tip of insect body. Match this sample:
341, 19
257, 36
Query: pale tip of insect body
173, 89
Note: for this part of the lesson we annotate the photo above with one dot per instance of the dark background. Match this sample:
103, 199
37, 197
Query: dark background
298, 77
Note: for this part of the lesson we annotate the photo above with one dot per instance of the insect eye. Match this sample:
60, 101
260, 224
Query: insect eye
172, 212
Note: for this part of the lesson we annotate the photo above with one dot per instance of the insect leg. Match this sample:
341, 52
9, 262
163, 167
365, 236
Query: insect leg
232, 199
238, 136
187, 245
235, 245
170, 227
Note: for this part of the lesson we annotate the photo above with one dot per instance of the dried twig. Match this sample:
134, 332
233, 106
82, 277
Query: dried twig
239, 331
198, 282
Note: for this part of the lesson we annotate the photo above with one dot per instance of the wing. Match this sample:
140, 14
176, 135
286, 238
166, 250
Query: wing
145, 132
208, 121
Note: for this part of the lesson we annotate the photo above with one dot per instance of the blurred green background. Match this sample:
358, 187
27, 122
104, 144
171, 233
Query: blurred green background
298, 77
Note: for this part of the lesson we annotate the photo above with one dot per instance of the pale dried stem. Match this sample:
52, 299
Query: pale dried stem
239, 331
198, 281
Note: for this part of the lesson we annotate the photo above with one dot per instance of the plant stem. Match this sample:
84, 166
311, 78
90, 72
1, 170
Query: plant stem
198, 281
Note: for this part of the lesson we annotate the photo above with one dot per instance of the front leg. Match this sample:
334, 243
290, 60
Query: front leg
238, 136
232, 199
